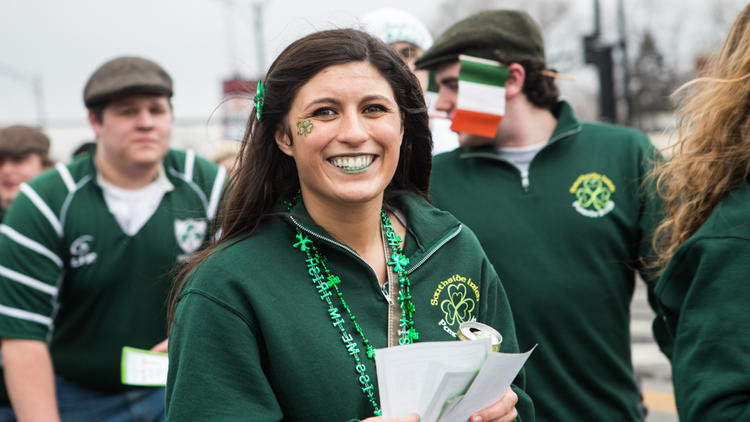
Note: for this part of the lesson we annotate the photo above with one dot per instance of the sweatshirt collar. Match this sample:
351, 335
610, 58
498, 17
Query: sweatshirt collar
426, 226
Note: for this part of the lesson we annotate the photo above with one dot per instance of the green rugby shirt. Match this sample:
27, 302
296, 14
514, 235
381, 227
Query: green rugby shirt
71, 277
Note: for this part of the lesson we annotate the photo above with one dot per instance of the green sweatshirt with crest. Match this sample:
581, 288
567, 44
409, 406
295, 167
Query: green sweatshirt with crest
253, 340
704, 298
566, 243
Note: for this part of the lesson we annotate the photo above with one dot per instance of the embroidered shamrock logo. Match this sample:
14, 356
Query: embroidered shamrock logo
593, 192
457, 308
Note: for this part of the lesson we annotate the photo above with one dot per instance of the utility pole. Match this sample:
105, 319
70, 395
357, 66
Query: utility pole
625, 63
35, 80
600, 55
260, 48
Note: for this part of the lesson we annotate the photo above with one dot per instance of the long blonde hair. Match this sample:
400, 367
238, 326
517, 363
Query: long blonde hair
712, 155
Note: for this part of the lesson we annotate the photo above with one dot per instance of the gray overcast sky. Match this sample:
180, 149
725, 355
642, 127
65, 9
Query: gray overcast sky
197, 41
200, 41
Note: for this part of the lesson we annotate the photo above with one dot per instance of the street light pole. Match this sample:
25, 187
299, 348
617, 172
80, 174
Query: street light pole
625, 63
35, 80
600, 55
259, 41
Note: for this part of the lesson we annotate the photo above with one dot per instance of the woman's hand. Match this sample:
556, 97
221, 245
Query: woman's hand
161, 347
409, 418
503, 410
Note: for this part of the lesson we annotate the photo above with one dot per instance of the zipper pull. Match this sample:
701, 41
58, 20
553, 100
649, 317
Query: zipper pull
525, 182
384, 291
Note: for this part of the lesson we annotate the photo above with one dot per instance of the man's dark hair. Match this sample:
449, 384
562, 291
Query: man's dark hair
538, 87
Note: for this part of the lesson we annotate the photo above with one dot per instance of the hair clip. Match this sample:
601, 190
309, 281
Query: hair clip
259, 99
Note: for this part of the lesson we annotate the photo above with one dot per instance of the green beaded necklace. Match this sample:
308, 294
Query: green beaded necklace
327, 285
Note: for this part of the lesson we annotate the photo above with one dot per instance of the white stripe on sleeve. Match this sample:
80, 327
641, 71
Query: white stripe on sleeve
66, 177
30, 244
29, 316
213, 202
43, 208
28, 281
189, 164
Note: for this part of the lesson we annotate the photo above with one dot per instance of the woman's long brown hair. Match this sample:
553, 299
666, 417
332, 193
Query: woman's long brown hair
265, 175
712, 155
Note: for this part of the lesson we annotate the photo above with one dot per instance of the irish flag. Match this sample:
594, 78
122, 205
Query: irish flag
481, 96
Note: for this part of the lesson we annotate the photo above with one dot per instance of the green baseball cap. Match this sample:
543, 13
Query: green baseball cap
125, 76
511, 33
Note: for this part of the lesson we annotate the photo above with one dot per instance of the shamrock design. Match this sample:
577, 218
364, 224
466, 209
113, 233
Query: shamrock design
333, 280
303, 242
304, 127
399, 263
457, 308
593, 192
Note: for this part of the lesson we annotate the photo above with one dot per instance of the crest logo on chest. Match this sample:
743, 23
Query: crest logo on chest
593, 192
458, 300
81, 251
190, 234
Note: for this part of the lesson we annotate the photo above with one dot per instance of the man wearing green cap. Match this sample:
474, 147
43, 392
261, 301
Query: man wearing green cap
86, 253
557, 206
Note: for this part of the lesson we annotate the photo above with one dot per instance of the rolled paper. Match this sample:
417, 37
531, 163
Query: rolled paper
472, 330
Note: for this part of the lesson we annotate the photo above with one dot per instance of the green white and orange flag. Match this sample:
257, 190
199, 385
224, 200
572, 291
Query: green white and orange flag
481, 96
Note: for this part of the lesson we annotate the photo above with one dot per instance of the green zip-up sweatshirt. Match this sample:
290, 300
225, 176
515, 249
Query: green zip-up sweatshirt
253, 340
565, 246
705, 300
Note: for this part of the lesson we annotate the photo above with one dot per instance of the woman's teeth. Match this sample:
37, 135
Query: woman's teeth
355, 164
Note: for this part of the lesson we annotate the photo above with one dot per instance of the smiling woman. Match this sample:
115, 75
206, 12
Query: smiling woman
329, 249
352, 152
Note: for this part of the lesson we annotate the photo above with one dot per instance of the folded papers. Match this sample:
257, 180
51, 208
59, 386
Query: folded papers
444, 381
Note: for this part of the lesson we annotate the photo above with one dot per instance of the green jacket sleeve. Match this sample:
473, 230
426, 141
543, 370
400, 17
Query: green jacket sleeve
31, 268
705, 300
215, 365
652, 212
496, 312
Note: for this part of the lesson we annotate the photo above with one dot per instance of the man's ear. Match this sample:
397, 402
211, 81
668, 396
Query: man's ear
515, 80
283, 141
95, 124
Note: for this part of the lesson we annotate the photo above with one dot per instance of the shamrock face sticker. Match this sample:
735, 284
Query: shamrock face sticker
304, 127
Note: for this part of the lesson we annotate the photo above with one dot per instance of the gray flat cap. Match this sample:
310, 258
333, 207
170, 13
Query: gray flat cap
511, 33
125, 76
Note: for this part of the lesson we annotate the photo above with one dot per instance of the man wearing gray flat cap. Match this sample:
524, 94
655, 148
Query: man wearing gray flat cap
557, 205
86, 253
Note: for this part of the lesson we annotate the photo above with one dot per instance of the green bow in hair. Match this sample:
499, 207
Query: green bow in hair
259, 99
